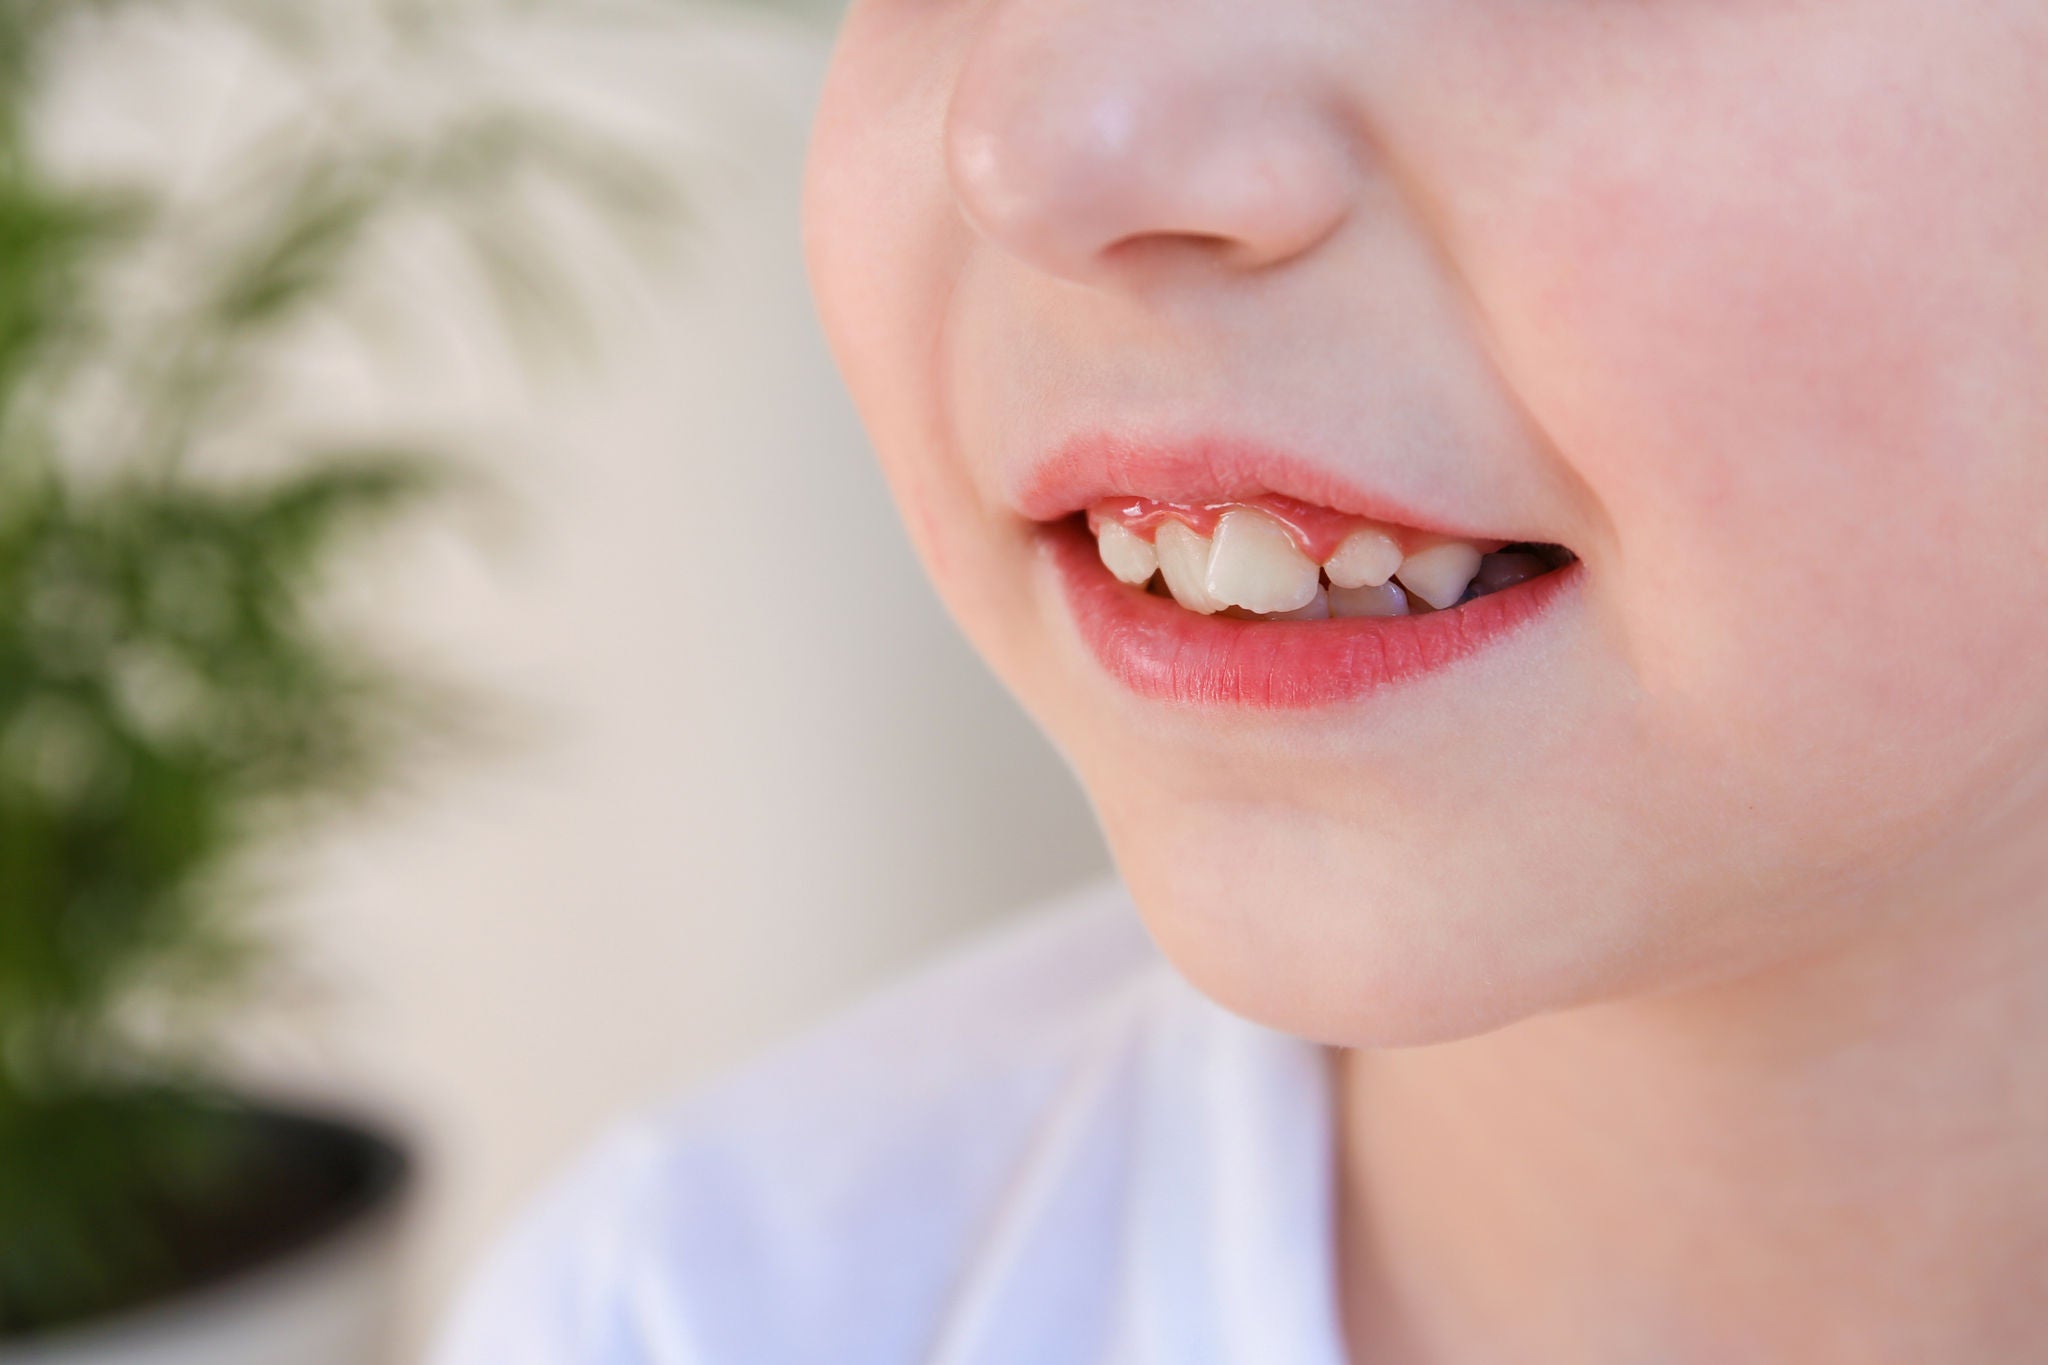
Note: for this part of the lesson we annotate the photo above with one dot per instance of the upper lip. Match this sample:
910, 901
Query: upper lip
1089, 467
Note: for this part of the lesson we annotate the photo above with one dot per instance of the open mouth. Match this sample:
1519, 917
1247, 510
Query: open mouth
1275, 558
1220, 570
1271, 602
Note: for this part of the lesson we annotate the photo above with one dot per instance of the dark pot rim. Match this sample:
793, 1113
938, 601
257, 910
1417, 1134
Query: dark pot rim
383, 1171
387, 1167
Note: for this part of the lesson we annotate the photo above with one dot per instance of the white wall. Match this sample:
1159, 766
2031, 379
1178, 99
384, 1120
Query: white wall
756, 771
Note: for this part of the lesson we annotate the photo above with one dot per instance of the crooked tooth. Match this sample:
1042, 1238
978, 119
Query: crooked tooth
1254, 564
1365, 559
1125, 553
1184, 562
1380, 599
1440, 573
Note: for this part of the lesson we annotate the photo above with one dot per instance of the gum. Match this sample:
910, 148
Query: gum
1317, 531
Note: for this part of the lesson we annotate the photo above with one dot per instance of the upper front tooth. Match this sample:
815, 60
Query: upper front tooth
1255, 564
1440, 573
1184, 561
1125, 553
1366, 558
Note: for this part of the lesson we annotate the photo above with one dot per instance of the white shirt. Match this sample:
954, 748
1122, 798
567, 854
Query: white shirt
1045, 1148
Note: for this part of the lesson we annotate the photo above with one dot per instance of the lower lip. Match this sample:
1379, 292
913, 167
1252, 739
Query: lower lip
1164, 652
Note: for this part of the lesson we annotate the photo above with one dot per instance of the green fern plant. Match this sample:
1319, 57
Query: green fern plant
172, 699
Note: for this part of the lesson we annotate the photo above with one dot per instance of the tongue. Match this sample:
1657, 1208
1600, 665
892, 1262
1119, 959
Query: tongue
1504, 570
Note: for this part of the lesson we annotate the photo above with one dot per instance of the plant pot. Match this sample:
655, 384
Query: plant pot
322, 1295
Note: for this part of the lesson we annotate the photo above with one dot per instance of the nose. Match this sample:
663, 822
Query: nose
1084, 136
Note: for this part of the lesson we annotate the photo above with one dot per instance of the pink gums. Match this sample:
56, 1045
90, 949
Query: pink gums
1317, 531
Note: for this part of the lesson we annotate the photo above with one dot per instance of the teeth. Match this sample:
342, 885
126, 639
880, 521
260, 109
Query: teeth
1318, 609
1440, 573
1250, 568
1254, 564
1125, 553
1366, 559
1383, 599
1184, 562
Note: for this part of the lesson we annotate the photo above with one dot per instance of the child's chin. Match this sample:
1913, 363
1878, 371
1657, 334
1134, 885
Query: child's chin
1353, 948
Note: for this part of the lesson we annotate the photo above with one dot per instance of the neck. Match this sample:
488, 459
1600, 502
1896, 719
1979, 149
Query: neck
1843, 1160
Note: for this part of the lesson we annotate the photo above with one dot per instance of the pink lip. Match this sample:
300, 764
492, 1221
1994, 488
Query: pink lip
1162, 651
1094, 466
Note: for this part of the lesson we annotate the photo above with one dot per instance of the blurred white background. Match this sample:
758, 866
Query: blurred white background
756, 773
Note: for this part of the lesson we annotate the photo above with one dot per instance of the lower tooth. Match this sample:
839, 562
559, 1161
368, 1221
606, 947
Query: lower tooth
1318, 609
1386, 599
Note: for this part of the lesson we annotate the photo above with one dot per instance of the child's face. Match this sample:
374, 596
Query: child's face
1744, 302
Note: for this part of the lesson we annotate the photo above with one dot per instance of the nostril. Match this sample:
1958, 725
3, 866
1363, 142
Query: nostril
1145, 250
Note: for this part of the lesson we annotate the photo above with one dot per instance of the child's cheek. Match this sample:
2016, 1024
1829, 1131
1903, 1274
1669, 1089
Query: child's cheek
1788, 357
882, 266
